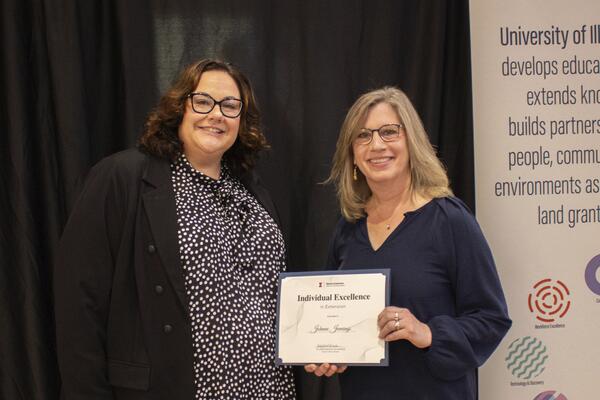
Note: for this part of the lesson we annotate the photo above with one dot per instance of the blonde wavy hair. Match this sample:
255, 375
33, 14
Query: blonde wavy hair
428, 175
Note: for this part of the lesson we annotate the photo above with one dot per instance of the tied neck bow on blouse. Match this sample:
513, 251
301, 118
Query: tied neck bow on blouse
233, 204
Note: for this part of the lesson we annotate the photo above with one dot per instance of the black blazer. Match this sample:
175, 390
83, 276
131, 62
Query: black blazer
122, 320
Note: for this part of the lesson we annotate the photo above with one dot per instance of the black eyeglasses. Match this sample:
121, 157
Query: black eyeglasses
387, 133
203, 103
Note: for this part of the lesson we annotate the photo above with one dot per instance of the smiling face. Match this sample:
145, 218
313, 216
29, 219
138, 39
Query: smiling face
383, 162
206, 137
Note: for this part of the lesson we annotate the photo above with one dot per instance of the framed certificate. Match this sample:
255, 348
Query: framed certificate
332, 317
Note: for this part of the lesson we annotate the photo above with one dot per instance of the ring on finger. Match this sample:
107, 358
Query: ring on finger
396, 316
397, 325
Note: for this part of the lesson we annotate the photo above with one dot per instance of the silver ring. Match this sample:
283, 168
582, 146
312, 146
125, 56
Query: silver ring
397, 325
396, 317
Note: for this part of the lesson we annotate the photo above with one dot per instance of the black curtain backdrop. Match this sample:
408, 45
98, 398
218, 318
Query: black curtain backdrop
79, 77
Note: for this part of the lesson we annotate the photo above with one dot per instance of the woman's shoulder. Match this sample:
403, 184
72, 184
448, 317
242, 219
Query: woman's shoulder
453, 207
459, 217
123, 160
122, 171
344, 236
126, 164
454, 211
344, 227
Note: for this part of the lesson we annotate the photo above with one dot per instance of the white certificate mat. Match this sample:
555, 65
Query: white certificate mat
331, 317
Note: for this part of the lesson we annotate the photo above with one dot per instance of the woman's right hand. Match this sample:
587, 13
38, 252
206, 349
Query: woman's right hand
324, 369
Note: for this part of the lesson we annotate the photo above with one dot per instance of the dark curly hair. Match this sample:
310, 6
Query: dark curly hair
161, 139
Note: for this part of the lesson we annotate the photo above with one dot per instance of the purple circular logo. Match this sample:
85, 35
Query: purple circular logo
550, 395
590, 275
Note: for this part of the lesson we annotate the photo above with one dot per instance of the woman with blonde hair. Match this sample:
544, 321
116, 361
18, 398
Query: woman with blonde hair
448, 310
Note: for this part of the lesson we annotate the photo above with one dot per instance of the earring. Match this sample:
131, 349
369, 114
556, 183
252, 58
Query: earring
354, 175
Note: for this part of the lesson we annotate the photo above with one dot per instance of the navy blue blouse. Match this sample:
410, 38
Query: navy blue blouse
442, 270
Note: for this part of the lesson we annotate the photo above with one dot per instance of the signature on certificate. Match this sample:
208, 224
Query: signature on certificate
326, 329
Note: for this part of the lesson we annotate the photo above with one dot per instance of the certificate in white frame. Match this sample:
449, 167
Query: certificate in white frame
331, 316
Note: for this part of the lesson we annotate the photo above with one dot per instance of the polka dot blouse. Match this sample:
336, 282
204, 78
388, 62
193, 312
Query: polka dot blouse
232, 252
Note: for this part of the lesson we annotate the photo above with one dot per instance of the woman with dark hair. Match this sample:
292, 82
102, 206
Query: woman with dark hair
447, 312
165, 284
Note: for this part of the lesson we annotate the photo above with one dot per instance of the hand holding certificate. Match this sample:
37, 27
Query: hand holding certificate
332, 317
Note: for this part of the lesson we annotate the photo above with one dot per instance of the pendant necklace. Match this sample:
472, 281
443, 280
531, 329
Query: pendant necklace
388, 224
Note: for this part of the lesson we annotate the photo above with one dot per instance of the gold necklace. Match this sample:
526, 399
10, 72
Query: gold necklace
388, 224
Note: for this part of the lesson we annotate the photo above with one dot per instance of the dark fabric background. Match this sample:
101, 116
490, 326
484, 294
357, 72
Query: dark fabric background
79, 77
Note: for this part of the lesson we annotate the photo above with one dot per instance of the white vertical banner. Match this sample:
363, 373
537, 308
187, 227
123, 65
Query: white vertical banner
536, 100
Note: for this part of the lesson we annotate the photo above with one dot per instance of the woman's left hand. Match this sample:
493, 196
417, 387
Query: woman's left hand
397, 323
